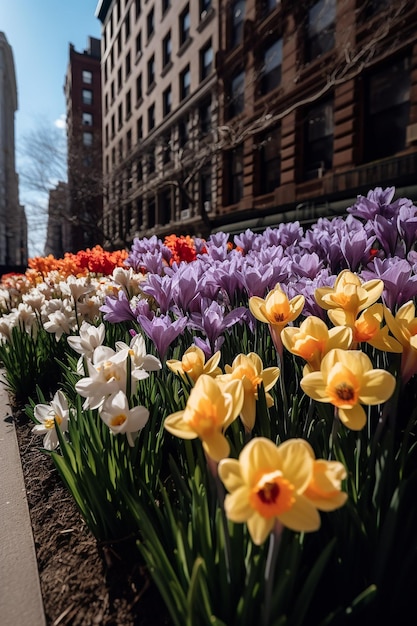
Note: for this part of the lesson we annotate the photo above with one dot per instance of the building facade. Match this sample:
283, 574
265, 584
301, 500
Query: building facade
13, 226
159, 110
319, 103
234, 114
85, 170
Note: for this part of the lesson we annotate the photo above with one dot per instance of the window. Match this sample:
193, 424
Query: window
267, 6
167, 101
165, 5
151, 212
166, 149
128, 104
127, 26
235, 175
112, 91
87, 139
236, 19
139, 88
128, 66
113, 125
318, 145
137, 8
205, 117
164, 207
138, 44
271, 67
119, 43
120, 115
87, 96
151, 71
237, 94
151, 161
205, 6
320, 28
387, 110
87, 119
183, 132
119, 79
151, 117
106, 134
185, 82
139, 171
129, 147
185, 25
87, 77
166, 49
268, 161
139, 212
205, 190
150, 23
206, 60
139, 129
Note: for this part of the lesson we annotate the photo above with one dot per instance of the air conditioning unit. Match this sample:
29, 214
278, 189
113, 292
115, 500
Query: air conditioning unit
207, 206
411, 133
185, 214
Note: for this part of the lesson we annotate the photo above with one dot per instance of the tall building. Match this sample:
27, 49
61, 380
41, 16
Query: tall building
159, 111
85, 171
318, 100
234, 114
13, 226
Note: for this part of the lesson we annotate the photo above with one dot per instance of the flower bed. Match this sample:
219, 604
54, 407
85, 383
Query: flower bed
241, 414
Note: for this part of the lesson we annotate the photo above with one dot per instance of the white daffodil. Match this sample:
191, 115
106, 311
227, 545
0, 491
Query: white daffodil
107, 375
89, 338
121, 419
49, 416
141, 362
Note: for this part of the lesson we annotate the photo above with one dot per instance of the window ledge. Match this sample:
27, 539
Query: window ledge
166, 69
205, 18
185, 46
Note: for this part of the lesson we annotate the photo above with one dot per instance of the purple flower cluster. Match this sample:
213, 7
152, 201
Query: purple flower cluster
208, 296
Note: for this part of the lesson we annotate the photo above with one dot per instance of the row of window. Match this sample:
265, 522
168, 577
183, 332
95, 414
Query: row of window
184, 28
177, 136
124, 109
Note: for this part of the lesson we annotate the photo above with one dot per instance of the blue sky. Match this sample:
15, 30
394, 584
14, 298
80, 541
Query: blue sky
39, 32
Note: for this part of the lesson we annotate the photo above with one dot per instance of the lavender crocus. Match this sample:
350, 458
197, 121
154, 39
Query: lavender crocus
117, 309
400, 285
212, 320
162, 330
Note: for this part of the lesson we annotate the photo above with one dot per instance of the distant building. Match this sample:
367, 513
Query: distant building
159, 109
84, 122
13, 226
59, 229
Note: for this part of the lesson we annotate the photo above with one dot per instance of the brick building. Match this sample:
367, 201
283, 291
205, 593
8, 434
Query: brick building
84, 124
320, 104
159, 106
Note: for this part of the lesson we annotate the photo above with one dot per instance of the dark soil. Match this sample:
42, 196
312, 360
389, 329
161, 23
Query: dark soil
82, 583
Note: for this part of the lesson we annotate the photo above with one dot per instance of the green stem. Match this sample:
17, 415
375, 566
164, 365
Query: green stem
270, 565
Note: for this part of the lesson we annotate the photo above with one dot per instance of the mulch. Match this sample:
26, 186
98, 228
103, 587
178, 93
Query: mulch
82, 583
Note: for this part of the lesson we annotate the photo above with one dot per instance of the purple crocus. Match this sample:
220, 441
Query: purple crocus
117, 309
162, 330
159, 287
212, 320
400, 285
407, 224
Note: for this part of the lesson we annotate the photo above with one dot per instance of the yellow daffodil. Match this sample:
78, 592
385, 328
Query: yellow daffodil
350, 294
249, 369
268, 483
347, 379
312, 340
193, 364
404, 328
210, 409
367, 328
324, 488
277, 311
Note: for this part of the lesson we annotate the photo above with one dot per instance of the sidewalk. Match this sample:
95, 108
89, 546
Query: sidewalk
20, 593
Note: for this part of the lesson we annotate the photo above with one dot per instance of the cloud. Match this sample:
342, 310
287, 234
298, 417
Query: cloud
61, 122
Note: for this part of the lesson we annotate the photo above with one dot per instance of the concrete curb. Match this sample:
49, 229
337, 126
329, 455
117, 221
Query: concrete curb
20, 593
